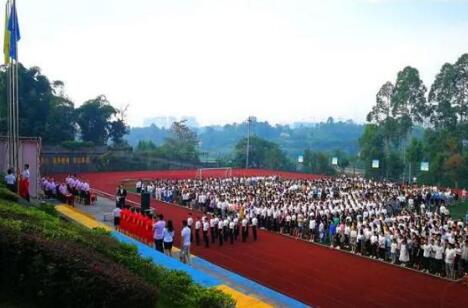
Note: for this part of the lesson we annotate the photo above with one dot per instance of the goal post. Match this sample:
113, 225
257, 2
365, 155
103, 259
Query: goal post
225, 172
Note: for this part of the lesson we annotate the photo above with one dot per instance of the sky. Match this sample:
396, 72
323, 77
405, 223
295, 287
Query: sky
223, 60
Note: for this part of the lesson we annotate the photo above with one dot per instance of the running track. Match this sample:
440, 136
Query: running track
313, 274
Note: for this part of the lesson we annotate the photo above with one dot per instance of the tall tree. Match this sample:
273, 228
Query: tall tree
409, 104
262, 154
442, 97
461, 85
118, 128
182, 143
93, 117
382, 110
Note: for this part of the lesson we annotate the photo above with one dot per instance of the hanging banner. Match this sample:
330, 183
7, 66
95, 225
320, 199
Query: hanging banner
335, 161
375, 164
300, 159
425, 166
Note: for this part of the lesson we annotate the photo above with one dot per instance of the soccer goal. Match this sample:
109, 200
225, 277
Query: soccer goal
225, 172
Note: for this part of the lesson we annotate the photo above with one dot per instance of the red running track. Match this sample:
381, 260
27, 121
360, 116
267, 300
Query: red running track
313, 274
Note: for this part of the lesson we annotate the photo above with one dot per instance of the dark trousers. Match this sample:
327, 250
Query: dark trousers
158, 244
254, 232
205, 239
197, 236
231, 236
244, 234
12, 187
220, 237
213, 236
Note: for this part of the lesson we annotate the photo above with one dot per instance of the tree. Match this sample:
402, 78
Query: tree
263, 154
382, 110
118, 128
442, 98
318, 163
461, 86
93, 117
60, 125
181, 144
408, 100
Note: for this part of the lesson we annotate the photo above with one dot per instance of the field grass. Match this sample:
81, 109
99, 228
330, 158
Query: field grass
459, 209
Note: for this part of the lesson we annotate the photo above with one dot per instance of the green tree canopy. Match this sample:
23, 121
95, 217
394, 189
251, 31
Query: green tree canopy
93, 118
263, 154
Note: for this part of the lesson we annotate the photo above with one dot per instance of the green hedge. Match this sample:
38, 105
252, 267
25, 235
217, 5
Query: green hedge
176, 289
65, 274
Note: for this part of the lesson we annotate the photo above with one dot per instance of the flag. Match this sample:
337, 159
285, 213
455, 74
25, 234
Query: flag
15, 35
6, 37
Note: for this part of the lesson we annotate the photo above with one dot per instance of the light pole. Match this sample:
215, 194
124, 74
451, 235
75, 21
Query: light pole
247, 154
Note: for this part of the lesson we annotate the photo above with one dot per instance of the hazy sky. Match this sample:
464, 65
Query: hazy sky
219, 60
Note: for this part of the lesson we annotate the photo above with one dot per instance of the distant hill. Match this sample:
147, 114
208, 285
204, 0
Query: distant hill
220, 140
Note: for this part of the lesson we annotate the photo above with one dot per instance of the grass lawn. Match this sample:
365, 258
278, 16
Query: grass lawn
459, 209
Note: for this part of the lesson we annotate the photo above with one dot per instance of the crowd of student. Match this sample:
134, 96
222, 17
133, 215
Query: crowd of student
68, 191
404, 224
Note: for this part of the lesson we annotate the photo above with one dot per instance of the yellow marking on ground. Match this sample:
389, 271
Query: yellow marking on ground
242, 300
80, 217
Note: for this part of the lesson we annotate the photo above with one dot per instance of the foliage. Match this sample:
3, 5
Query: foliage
262, 154
88, 256
46, 112
219, 141
388, 137
181, 144
93, 118
318, 163
75, 145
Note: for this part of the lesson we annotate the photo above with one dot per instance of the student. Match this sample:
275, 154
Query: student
10, 181
158, 233
449, 261
439, 258
254, 227
393, 251
232, 231
168, 238
116, 213
189, 224
404, 253
244, 229
185, 235
220, 232
212, 229
427, 249
206, 227
198, 226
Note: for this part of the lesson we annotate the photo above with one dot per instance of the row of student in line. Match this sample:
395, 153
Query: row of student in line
209, 229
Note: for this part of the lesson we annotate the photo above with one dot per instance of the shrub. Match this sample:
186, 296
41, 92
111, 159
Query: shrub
62, 274
176, 289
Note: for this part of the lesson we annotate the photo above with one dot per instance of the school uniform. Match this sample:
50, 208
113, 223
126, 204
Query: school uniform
206, 227
116, 213
198, 226
254, 228
244, 229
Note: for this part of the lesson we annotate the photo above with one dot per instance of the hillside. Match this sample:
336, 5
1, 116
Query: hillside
220, 140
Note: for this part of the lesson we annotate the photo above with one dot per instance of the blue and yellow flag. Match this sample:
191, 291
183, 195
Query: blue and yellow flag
15, 36
6, 37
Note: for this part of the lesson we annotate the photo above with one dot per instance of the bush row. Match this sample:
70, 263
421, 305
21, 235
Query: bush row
176, 289
64, 274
